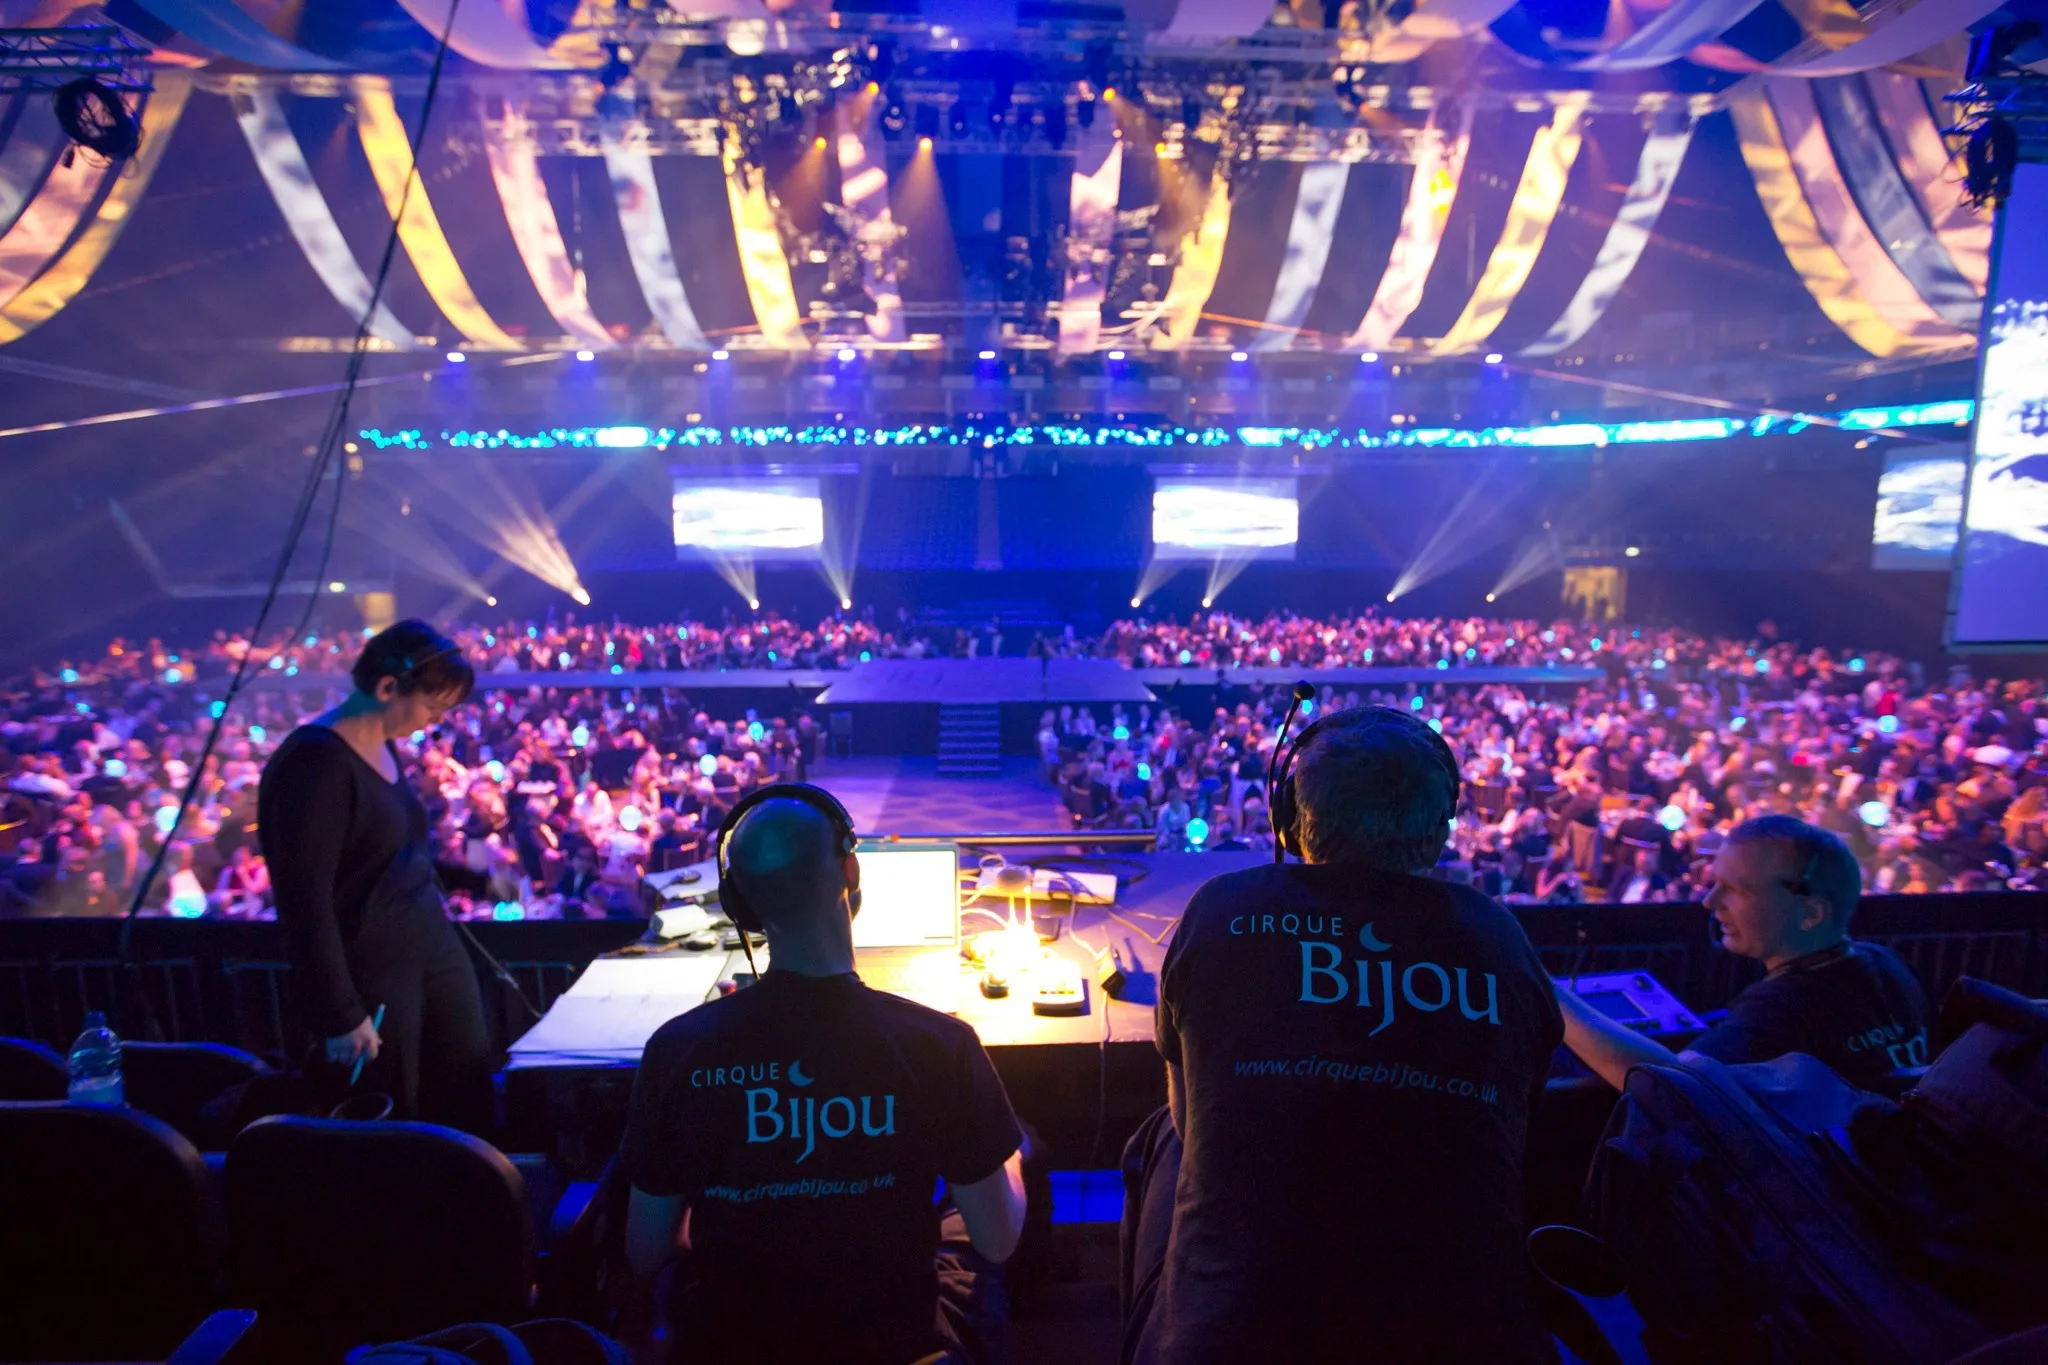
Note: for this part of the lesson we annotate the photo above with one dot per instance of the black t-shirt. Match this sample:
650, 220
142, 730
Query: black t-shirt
1855, 1007
806, 1123
1361, 1050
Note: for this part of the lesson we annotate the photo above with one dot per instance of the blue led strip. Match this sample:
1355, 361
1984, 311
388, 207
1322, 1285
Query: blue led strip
1558, 435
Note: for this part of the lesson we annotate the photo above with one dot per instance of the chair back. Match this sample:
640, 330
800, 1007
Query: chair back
346, 1233
175, 1081
30, 1071
110, 1236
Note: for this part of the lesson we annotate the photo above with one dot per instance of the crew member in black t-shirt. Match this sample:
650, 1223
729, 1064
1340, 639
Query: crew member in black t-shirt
793, 1133
1352, 1050
1783, 894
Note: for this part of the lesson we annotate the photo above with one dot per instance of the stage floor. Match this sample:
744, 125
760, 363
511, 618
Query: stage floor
907, 796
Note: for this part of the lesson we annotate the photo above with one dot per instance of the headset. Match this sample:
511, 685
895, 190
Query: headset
731, 898
1283, 807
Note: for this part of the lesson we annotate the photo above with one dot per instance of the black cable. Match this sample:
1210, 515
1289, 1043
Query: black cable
301, 514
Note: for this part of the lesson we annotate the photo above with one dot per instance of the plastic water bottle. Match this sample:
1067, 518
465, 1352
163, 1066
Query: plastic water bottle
96, 1064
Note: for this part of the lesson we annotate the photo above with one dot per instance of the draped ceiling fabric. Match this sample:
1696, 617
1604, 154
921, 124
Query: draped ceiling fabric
645, 228
1915, 138
1530, 213
1435, 21
33, 145
763, 263
515, 170
488, 32
1218, 18
864, 191
53, 212
282, 164
1091, 219
60, 282
233, 32
1309, 235
1432, 190
389, 150
1898, 33
1656, 171
1194, 275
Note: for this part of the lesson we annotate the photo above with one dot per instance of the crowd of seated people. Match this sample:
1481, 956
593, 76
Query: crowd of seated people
1617, 791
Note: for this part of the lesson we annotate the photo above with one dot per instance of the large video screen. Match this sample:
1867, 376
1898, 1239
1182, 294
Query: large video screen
759, 518
1197, 518
1919, 508
2000, 595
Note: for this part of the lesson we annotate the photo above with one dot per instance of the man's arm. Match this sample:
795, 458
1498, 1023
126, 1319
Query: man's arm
1604, 1045
992, 1208
652, 1222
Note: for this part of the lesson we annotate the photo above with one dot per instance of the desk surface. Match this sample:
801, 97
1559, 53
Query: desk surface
607, 1017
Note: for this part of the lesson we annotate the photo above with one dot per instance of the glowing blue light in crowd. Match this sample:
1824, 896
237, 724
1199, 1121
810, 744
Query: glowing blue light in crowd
1738, 722
188, 904
1470, 652
496, 770
84, 708
1436, 725
1566, 652
755, 731
1415, 702
114, 767
771, 656
1888, 725
707, 765
419, 737
621, 668
508, 910
1857, 664
1144, 772
173, 675
580, 736
1368, 652
1549, 636
1672, 818
865, 656
312, 640
1596, 642
1656, 663
173, 658
609, 646
1198, 831
292, 672
1307, 707
1274, 654
1875, 814
217, 710
277, 661
166, 819
1120, 732
1443, 663
69, 675
490, 639
1187, 656
629, 818
1763, 665
533, 632
562, 658
256, 734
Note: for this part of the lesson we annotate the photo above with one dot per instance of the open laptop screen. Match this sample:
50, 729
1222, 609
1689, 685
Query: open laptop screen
910, 898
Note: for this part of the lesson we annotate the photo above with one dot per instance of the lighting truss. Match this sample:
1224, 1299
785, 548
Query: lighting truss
42, 59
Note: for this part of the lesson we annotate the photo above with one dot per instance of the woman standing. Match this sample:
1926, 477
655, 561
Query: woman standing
352, 868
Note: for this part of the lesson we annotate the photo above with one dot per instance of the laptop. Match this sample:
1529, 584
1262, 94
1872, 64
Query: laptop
906, 938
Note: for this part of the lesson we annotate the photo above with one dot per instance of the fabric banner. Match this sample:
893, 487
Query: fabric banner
1091, 220
1309, 234
1656, 171
1194, 276
50, 218
1530, 214
1670, 35
645, 228
60, 283
233, 32
763, 262
864, 191
488, 32
1792, 219
1922, 158
283, 165
515, 170
1434, 21
1903, 32
1219, 18
1879, 190
389, 150
1431, 192
1877, 278
34, 143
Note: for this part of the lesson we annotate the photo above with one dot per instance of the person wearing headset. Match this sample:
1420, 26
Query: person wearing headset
789, 1136
358, 889
1783, 895
1352, 1051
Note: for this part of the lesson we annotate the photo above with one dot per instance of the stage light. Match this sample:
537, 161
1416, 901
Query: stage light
580, 597
754, 604
586, 355
1633, 551
1134, 601
924, 144
1390, 597
1116, 355
1239, 357
623, 438
490, 601
1109, 92
456, 357
818, 142
721, 355
1494, 357
1672, 818
1208, 601
846, 604
1369, 358
988, 355
847, 355
337, 586
1489, 597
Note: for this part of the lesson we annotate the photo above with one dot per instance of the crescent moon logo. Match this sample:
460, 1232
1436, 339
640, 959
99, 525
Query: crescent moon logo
1370, 941
796, 1074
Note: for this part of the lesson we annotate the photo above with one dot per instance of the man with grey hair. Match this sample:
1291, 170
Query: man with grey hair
1783, 894
1352, 1052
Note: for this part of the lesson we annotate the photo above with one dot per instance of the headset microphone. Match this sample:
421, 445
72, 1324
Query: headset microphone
1304, 694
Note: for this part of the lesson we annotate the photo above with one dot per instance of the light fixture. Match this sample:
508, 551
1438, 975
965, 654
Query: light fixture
1134, 601
1494, 357
586, 356
753, 604
490, 601
1489, 597
988, 355
924, 144
846, 604
1633, 551
819, 142
846, 355
337, 586
721, 355
1208, 601
1390, 597
1116, 355
1239, 356
1369, 358
456, 357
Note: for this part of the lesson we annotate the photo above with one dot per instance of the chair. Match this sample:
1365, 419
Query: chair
30, 1071
112, 1235
346, 1233
175, 1081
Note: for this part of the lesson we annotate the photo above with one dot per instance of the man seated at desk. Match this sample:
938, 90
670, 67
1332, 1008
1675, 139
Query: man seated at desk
1352, 1050
791, 1136
1783, 893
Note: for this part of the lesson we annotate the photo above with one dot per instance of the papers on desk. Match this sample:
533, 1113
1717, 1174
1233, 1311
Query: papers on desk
615, 1007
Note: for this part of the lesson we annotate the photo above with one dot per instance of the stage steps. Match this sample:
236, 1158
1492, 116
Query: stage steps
970, 740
